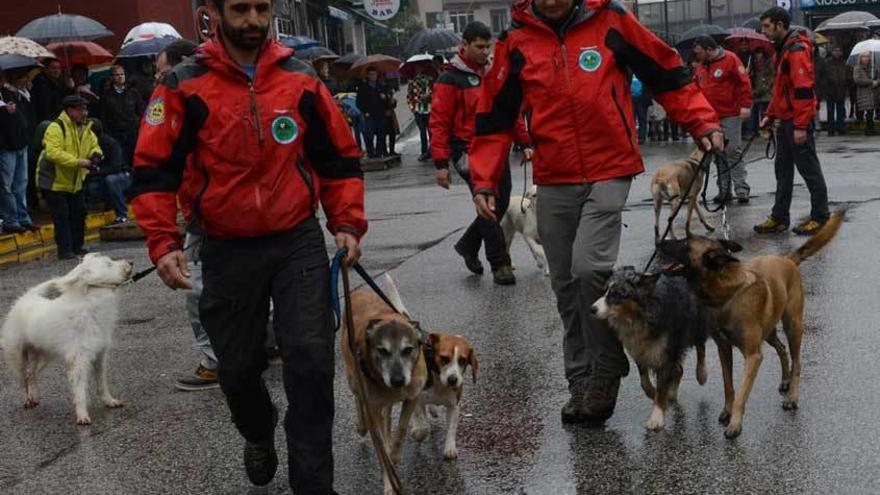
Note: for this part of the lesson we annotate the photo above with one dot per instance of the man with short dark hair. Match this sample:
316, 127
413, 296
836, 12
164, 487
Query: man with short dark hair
725, 82
371, 102
571, 61
122, 107
48, 89
269, 149
793, 104
454, 107
17, 125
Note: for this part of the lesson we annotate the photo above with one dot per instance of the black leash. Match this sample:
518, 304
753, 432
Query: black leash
143, 273
522, 200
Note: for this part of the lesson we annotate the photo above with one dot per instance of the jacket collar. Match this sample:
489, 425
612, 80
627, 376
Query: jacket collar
214, 55
525, 13
460, 62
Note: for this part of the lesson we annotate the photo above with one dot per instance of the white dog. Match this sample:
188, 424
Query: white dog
521, 217
69, 318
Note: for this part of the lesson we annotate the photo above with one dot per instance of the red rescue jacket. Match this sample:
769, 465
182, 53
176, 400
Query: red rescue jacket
578, 88
250, 158
793, 96
454, 110
725, 83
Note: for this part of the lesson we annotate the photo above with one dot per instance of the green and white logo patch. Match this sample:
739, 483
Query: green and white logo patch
590, 60
474, 80
284, 130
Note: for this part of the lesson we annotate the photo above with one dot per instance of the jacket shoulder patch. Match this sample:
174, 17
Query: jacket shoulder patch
184, 71
797, 46
617, 7
293, 64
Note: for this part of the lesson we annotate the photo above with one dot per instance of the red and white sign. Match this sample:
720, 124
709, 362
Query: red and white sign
382, 10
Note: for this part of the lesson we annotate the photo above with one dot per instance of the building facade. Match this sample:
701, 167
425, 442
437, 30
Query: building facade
456, 14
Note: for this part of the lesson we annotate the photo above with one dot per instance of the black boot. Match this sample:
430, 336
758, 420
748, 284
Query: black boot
471, 261
260, 458
572, 410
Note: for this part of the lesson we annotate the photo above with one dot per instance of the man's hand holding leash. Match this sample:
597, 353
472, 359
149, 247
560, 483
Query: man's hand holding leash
485, 202
714, 141
173, 270
350, 242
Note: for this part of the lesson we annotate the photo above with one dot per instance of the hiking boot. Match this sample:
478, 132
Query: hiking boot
66, 256
471, 261
503, 275
81, 251
770, 226
572, 411
721, 198
810, 227
743, 199
202, 379
31, 228
601, 397
119, 221
260, 458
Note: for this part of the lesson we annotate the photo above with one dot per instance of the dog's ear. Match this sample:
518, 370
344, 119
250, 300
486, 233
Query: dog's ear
731, 246
475, 365
371, 327
647, 281
716, 259
434, 339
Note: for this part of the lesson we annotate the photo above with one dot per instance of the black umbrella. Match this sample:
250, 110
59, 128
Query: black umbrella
752, 23
348, 59
12, 61
432, 40
63, 27
686, 42
145, 48
316, 53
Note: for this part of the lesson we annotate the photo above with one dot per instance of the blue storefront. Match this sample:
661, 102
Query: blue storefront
816, 11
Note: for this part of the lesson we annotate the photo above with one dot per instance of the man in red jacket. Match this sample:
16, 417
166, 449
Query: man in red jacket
725, 82
570, 60
793, 104
269, 145
454, 108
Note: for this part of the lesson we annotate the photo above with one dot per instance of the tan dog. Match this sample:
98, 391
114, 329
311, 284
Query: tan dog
389, 353
452, 354
669, 183
746, 300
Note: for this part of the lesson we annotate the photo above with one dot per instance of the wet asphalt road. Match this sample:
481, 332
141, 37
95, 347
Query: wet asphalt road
510, 439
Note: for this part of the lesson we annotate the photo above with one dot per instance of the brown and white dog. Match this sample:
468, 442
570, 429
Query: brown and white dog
669, 183
452, 354
745, 301
388, 352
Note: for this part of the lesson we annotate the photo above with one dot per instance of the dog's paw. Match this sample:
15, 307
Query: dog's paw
656, 421
113, 403
420, 434
789, 405
31, 403
702, 375
724, 417
784, 386
732, 431
83, 421
450, 453
710, 228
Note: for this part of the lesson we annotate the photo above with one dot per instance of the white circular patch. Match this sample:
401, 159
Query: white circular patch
718, 73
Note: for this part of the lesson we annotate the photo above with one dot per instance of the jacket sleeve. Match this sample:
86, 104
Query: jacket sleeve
522, 136
661, 68
53, 143
744, 84
159, 161
499, 108
441, 122
335, 157
802, 80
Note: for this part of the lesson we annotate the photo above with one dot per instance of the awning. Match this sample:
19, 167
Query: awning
358, 12
338, 13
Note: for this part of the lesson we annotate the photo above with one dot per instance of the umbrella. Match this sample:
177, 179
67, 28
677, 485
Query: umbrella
298, 42
316, 53
408, 68
13, 61
432, 40
687, 39
12, 45
145, 47
63, 27
80, 52
754, 39
348, 59
752, 23
852, 20
150, 30
382, 64
870, 46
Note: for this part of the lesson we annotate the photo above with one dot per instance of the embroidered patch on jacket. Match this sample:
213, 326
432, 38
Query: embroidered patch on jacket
718, 73
474, 80
156, 112
284, 130
590, 60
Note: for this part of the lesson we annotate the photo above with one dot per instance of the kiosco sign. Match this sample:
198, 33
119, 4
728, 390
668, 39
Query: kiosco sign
381, 10
818, 4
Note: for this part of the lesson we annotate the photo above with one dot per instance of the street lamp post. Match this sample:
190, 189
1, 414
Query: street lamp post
666, 19
709, 10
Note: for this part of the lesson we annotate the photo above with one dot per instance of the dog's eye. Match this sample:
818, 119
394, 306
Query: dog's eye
462, 362
383, 351
445, 360
406, 352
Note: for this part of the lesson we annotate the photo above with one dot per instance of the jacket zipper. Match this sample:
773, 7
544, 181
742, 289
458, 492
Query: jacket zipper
574, 116
307, 178
256, 111
622, 117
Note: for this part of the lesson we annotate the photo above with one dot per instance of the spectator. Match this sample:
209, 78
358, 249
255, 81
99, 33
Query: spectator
864, 76
47, 91
17, 124
418, 97
121, 110
70, 149
832, 79
391, 127
371, 102
641, 99
353, 115
725, 83
173, 54
81, 86
322, 67
761, 73
111, 176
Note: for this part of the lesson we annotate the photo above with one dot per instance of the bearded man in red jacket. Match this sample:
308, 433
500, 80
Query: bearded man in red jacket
570, 62
263, 141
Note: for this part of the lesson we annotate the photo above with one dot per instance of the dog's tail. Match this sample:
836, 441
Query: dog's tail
387, 284
819, 240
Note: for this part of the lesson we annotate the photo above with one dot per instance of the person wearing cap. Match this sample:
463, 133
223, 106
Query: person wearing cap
70, 149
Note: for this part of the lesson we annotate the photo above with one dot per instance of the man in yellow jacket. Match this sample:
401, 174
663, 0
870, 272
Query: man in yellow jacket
70, 149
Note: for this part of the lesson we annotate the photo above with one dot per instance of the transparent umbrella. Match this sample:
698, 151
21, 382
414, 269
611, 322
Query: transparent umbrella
63, 27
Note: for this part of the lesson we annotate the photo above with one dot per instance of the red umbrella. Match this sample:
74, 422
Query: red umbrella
71, 53
753, 39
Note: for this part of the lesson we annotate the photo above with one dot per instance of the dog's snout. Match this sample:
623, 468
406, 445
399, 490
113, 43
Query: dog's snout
452, 380
594, 309
397, 381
